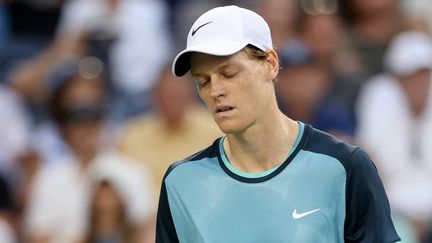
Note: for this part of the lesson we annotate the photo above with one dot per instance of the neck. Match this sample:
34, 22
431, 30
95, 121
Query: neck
263, 146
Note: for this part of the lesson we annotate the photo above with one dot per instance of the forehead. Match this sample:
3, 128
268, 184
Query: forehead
201, 63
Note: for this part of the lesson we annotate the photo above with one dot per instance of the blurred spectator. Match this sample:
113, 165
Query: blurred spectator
418, 14
301, 88
7, 232
31, 25
14, 128
60, 195
158, 138
76, 120
33, 78
314, 87
139, 44
116, 212
108, 221
325, 41
371, 24
302, 93
27, 166
395, 125
323, 34
4, 25
116, 34
16, 162
34, 18
282, 17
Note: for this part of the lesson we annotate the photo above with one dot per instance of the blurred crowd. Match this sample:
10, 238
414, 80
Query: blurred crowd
91, 116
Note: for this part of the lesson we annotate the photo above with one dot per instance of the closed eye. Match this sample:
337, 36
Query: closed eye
202, 82
227, 75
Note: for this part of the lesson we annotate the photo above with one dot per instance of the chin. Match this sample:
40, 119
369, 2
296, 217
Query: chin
229, 127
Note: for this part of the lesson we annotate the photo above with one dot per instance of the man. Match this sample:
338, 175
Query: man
270, 179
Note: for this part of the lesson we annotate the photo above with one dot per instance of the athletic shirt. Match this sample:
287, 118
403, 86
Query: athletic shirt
325, 191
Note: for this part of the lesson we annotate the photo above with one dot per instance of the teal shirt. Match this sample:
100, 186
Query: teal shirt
325, 191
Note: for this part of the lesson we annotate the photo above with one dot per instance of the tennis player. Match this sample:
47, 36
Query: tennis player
270, 179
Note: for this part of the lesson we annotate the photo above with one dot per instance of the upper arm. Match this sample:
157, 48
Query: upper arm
165, 229
368, 216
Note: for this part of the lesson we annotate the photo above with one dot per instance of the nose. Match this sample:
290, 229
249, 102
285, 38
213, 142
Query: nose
217, 88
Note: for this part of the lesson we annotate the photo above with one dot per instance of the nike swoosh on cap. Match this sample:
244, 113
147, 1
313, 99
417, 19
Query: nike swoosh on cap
199, 27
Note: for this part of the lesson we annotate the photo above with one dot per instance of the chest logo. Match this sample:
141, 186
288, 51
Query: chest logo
297, 215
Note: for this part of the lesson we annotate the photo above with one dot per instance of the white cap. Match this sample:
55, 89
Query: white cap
409, 52
223, 31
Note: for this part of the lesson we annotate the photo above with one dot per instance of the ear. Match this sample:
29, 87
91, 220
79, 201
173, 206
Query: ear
272, 63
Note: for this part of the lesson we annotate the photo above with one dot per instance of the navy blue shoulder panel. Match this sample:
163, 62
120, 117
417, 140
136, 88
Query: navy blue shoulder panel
367, 208
165, 229
324, 143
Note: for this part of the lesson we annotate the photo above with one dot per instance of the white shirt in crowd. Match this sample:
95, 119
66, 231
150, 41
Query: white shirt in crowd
399, 144
59, 202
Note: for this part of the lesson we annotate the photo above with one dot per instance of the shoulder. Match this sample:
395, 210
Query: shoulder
321, 142
351, 157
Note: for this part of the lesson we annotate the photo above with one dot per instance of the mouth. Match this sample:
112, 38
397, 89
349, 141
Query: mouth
221, 110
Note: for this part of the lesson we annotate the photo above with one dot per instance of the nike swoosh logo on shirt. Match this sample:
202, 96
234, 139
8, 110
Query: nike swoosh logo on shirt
199, 27
296, 215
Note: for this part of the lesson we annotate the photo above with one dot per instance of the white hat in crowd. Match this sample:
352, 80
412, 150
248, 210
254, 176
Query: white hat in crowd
408, 53
129, 180
223, 31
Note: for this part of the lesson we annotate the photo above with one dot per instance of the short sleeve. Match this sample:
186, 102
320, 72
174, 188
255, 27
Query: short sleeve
165, 229
368, 217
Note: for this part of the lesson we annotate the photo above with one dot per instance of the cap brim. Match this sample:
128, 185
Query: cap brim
181, 64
